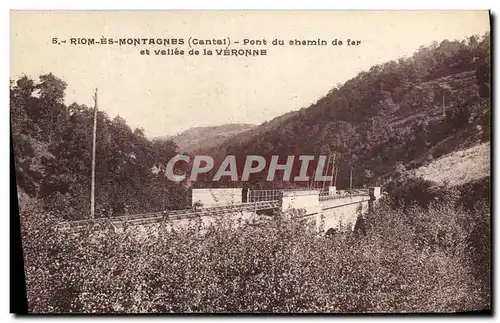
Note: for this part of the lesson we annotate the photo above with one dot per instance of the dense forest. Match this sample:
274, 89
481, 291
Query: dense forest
398, 114
52, 149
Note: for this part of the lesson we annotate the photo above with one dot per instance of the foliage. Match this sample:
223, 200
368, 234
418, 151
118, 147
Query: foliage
413, 261
432, 254
391, 113
410, 191
52, 148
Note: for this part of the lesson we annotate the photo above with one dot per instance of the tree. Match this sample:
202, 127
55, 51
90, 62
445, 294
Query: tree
51, 88
369, 177
400, 169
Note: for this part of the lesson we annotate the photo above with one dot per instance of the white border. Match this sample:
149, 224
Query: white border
257, 4
191, 5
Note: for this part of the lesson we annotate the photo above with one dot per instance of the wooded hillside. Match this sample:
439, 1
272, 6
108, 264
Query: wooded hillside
389, 115
52, 150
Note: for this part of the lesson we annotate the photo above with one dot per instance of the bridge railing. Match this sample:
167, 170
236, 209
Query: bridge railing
276, 194
264, 195
323, 196
149, 218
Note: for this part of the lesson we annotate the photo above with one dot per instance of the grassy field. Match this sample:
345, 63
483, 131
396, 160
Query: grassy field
459, 167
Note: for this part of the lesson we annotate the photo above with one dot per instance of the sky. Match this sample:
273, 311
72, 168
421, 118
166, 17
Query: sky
167, 94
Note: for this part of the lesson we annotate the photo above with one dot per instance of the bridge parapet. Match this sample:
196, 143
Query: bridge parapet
210, 197
307, 200
227, 201
375, 192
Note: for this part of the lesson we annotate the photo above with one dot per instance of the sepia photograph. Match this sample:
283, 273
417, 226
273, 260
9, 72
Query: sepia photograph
270, 162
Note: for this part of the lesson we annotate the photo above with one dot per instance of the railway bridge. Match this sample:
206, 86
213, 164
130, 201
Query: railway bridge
329, 209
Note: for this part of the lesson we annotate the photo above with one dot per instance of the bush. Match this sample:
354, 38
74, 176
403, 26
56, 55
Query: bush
414, 261
414, 191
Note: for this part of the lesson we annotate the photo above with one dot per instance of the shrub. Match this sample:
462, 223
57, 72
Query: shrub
413, 261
